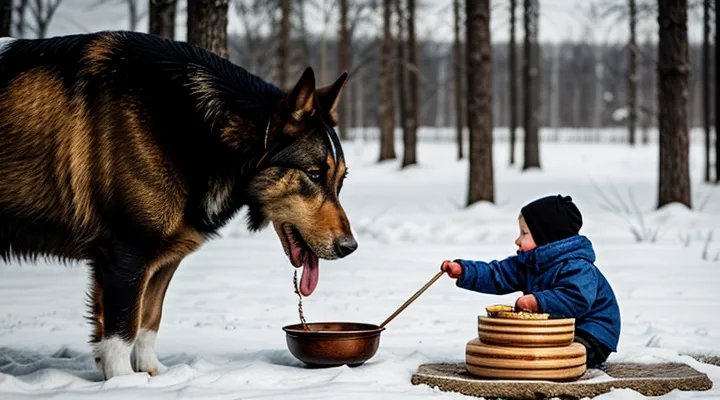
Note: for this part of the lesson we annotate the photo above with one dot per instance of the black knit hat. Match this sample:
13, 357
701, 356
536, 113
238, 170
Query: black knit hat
552, 218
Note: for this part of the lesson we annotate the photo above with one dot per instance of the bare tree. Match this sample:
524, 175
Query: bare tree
359, 93
207, 24
706, 84
252, 14
650, 103
385, 109
20, 24
284, 45
162, 18
717, 93
531, 75
632, 74
599, 72
42, 12
6, 11
343, 65
459, 87
302, 27
512, 80
413, 115
673, 71
324, 8
479, 79
134, 13
401, 79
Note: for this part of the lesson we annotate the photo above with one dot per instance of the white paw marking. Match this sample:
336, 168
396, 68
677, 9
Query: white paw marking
112, 357
144, 358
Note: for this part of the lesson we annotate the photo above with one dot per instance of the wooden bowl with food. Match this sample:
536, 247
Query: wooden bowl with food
505, 327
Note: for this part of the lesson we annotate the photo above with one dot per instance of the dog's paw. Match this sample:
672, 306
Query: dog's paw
144, 358
112, 357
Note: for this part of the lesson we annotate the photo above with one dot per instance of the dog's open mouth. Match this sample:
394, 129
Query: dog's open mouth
301, 255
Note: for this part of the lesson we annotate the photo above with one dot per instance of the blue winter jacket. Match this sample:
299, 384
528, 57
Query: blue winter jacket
563, 279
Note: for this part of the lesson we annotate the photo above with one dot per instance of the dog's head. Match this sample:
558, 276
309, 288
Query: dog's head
300, 177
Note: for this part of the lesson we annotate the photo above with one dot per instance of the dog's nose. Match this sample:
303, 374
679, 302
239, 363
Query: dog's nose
344, 245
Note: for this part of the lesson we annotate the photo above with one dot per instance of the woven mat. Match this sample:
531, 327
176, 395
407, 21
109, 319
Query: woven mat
649, 380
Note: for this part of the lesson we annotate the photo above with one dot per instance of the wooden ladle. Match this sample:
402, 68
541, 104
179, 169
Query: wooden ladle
410, 300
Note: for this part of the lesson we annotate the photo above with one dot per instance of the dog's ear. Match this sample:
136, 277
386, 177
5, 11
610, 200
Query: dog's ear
295, 108
329, 96
301, 100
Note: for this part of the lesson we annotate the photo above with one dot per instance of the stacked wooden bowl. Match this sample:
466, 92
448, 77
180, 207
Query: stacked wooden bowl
509, 348
526, 333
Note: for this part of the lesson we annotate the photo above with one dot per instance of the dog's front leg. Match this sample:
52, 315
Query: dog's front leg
145, 359
122, 283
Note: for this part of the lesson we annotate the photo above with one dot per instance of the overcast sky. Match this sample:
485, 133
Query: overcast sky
560, 20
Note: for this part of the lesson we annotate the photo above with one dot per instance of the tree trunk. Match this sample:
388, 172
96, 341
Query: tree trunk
284, 46
162, 18
207, 24
20, 23
303, 34
632, 75
343, 65
555, 92
598, 104
531, 75
706, 84
512, 79
673, 72
402, 83
6, 11
42, 30
359, 94
649, 111
132, 14
717, 93
43, 13
385, 109
323, 43
480, 118
459, 88
413, 115
441, 94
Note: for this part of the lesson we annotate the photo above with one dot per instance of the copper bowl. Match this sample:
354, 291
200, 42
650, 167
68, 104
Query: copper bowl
331, 344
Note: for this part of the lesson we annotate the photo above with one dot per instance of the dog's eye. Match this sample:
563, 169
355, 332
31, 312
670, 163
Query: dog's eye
313, 175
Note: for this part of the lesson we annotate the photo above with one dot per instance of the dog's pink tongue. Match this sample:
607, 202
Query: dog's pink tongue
295, 254
310, 275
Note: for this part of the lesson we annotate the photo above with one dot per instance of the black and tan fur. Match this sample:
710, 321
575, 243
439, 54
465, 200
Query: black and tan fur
129, 151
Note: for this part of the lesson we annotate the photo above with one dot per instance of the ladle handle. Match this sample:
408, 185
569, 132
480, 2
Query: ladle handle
410, 300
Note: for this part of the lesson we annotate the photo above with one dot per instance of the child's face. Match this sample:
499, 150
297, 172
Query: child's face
525, 241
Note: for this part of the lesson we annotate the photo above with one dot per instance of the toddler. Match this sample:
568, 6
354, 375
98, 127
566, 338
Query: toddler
554, 268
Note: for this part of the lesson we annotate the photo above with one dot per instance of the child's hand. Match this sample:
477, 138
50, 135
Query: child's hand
453, 269
527, 303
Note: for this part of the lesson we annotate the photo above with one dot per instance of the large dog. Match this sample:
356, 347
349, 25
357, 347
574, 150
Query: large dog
128, 151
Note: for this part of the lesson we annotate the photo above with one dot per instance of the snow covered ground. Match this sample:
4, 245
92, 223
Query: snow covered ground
221, 333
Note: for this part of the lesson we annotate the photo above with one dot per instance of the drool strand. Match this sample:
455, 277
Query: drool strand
300, 310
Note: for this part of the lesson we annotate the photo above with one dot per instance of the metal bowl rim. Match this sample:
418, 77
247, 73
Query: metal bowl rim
300, 332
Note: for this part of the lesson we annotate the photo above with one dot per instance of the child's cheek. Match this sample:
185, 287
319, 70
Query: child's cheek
526, 245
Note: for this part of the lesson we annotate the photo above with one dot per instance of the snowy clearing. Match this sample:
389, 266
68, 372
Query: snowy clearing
221, 333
